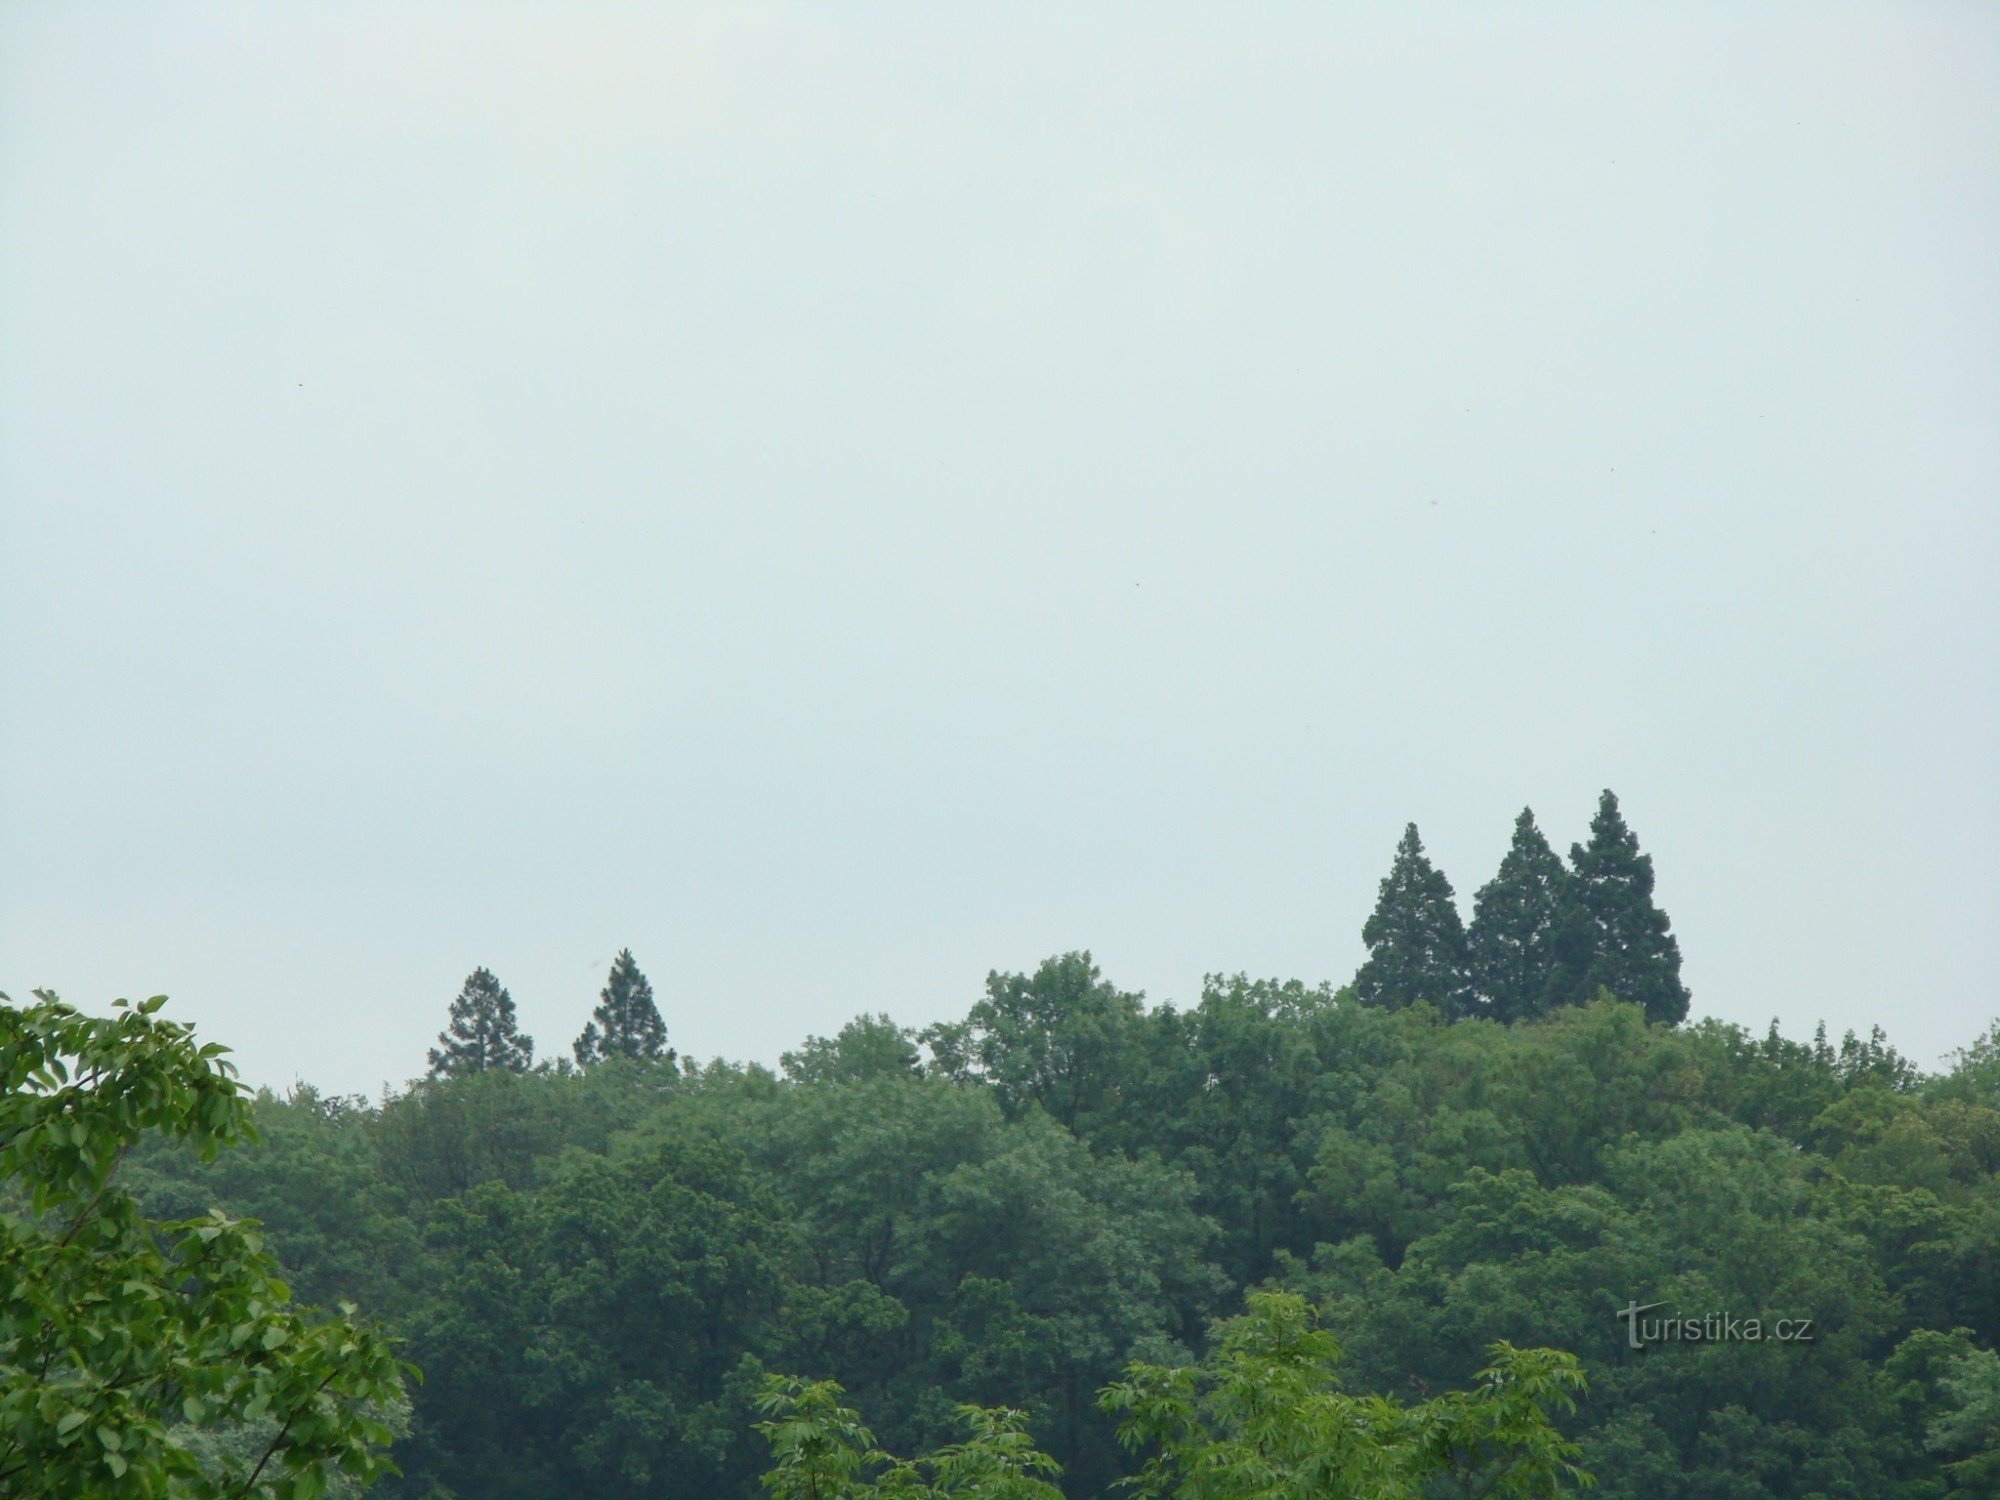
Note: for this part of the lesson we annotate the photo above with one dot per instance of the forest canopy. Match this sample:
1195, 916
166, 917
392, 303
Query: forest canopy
1032, 1237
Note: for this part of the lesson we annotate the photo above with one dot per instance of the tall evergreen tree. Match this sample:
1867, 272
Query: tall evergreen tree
481, 1033
1511, 945
626, 1022
1416, 942
1611, 935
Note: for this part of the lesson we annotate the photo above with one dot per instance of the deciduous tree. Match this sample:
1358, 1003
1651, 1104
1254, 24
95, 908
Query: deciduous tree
124, 1340
1058, 1037
1264, 1416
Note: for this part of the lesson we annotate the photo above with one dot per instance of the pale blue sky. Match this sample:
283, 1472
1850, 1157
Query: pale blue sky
839, 499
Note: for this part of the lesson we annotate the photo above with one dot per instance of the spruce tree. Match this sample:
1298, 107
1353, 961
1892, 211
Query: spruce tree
481, 1033
1611, 935
626, 1022
1511, 946
1416, 942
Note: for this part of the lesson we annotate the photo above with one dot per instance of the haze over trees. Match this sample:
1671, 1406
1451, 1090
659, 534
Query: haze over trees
1068, 1238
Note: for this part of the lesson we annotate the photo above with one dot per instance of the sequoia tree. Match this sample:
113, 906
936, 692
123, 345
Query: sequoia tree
1416, 942
1611, 936
1511, 944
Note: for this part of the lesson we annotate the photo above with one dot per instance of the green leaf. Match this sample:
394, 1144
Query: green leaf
86, 1309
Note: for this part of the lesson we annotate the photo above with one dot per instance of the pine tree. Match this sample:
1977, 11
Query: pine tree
481, 1033
626, 1022
1611, 934
1416, 942
1511, 946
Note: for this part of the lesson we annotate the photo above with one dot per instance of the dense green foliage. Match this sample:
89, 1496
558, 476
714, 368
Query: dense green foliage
143, 1359
820, 1451
1262, 1416
612, 1274
598, 1271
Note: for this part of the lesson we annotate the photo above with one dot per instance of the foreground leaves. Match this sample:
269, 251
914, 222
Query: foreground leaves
1264, 1419
119, 1336
1261, 1419
821, 1451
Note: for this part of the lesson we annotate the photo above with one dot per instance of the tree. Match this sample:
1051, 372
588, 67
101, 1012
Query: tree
481, 1034
626, 1022
591, 1335
1059, 1038
1510, 948
1971, 1426
125, 1342
1225, 1087
1975, 1070
1611, 936
866, 1047
1263, 1415
1416, 942
951, 1249
1261, 1418
598, 1267
820, 1451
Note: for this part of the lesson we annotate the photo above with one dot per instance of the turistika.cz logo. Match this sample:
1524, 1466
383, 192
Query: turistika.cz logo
1710, 1328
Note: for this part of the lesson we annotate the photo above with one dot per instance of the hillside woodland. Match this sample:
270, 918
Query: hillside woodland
611, 1269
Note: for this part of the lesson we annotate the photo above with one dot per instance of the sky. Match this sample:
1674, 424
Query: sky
842, 499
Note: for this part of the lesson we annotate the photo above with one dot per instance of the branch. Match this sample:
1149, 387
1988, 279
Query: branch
85, 1212
251, 1483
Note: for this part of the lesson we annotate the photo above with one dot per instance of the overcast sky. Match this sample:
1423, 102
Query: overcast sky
839, 500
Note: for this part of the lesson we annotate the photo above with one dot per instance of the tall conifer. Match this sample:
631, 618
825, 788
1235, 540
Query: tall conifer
626, 1022
1611, 935
1511, 946
1416, 941
481, 1034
